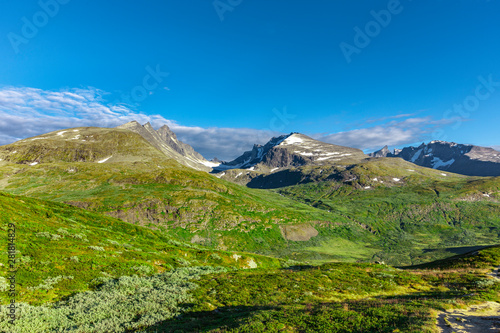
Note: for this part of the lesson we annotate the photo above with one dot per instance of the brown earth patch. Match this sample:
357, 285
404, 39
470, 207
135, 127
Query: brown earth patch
298, 232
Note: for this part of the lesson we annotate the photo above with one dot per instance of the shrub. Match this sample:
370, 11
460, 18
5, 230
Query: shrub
215, 256
25, 259
63, 231
49, 235
484, 283
73, 258
125, 304
49, 282
96, 248
182, 262
143, 269
4, 285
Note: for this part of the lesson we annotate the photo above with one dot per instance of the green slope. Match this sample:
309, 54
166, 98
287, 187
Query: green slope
411, 211
334, 297
339, 297
380, 209
138, 184
62, 250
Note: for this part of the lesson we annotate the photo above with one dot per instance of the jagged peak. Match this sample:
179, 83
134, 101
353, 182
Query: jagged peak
165, 127
133, 123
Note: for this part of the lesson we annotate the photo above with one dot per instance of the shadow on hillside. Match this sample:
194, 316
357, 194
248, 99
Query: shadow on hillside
300, 268
223, 318
457, 250
440, 296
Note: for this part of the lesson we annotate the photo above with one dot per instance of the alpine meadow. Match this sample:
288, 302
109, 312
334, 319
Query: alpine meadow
249, 166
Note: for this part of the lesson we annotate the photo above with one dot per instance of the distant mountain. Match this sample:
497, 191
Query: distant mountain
449, 156
166, 141
292, 150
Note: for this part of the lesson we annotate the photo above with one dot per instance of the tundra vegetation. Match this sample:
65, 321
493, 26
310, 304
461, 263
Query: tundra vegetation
141, 243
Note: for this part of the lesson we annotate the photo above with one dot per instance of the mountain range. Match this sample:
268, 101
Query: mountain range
315, 191
449, 156
134, 223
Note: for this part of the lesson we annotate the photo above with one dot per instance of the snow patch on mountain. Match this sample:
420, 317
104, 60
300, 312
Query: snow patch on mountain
104, 160
416, 156
438, 163
291, 140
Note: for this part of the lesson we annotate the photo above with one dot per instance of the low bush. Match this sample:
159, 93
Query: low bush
119, 305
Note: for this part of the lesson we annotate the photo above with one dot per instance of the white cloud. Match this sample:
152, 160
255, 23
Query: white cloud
223, 143
26, 112
393, 133
496, 148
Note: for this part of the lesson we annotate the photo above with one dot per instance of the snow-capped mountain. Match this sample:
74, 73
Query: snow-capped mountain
458, 158
292, 150
166, 141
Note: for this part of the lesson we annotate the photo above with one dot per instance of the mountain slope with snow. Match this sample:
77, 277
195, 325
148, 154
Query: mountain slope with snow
292, 150
449, 156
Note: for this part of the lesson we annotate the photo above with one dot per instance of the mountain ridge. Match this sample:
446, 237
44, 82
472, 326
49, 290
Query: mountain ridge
166, 141
464, 159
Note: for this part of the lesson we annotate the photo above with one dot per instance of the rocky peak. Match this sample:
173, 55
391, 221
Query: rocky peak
292, 150
166, 141
381, 153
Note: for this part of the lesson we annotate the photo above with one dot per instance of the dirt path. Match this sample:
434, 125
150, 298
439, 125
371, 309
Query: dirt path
482, 318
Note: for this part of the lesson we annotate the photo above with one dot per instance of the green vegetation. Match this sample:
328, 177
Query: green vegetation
412, 215
337, 297
204, 254
395, 222
193, 206
62, 250
383, 209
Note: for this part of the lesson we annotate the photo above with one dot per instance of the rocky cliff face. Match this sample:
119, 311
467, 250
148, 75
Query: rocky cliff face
166, 141
458, 158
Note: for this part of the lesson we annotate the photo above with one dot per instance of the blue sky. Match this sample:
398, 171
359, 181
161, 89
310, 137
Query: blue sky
240, 71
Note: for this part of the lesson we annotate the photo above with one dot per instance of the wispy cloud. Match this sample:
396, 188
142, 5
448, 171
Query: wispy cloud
393, 133
398, 116
223, 143
26, 112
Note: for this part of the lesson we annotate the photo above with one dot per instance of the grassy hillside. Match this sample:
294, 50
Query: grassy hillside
192, 205
62, 250
183, 263
362, 219
380, 209
337, 297
411, 213
138, 184
81, 144
334, 297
